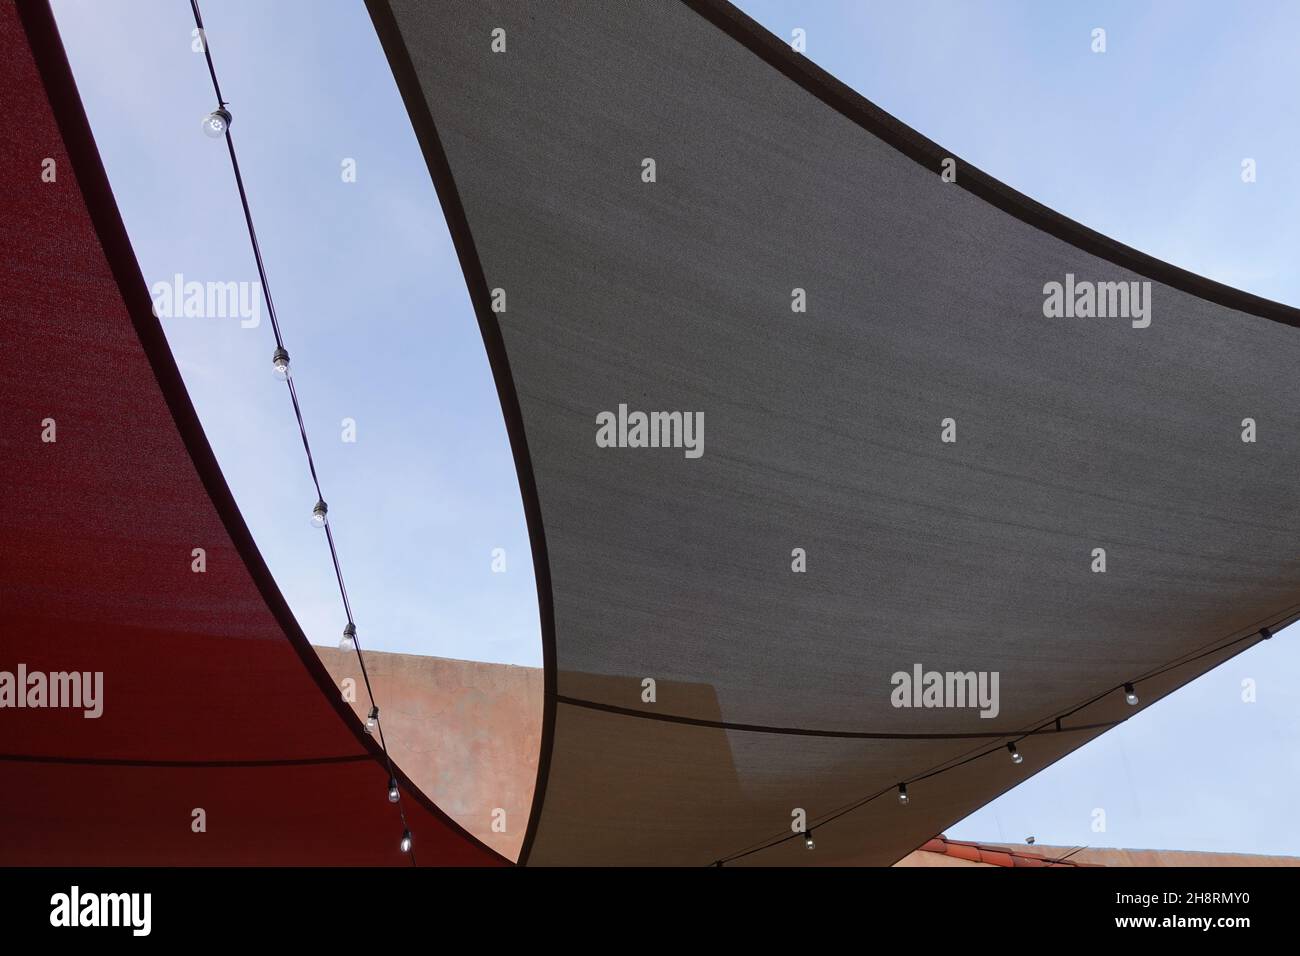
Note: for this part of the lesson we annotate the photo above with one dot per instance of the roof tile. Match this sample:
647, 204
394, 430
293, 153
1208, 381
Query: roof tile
990, 856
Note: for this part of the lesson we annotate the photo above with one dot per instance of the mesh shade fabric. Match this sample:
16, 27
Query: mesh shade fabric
212, 697
925, 302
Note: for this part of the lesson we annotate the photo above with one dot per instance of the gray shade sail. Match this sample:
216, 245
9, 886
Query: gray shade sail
824, 431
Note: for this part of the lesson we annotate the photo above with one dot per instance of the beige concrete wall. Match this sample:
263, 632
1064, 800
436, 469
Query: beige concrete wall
468, 734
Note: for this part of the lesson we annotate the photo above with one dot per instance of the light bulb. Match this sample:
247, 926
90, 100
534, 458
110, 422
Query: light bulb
406, 841
808, 841
1266, 633
372, 721
392, 790
1015, 754
902, 794
217, 122
349, 642
280, 363
318, 512
1130, 695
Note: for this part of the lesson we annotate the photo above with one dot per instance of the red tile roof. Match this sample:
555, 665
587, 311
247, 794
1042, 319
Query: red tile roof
991, 856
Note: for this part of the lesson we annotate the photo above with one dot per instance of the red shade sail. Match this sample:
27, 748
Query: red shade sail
211, 698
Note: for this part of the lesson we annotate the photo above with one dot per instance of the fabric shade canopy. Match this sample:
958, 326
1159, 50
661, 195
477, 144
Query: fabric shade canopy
651, 187
211, 697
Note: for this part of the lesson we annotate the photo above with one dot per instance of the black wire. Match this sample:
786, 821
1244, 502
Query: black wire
297, 411
252, 235
1009, 738
306, 445
203, 35
1062, 859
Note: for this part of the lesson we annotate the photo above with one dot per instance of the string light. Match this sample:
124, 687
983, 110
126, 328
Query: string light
808, 841
217, 122
1130, 695
216, 125
280, 363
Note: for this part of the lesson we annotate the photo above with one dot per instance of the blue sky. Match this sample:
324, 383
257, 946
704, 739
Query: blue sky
1143, 143
371, 301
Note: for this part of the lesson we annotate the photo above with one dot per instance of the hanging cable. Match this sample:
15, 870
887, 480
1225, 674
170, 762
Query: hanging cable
217, 124
904, 798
